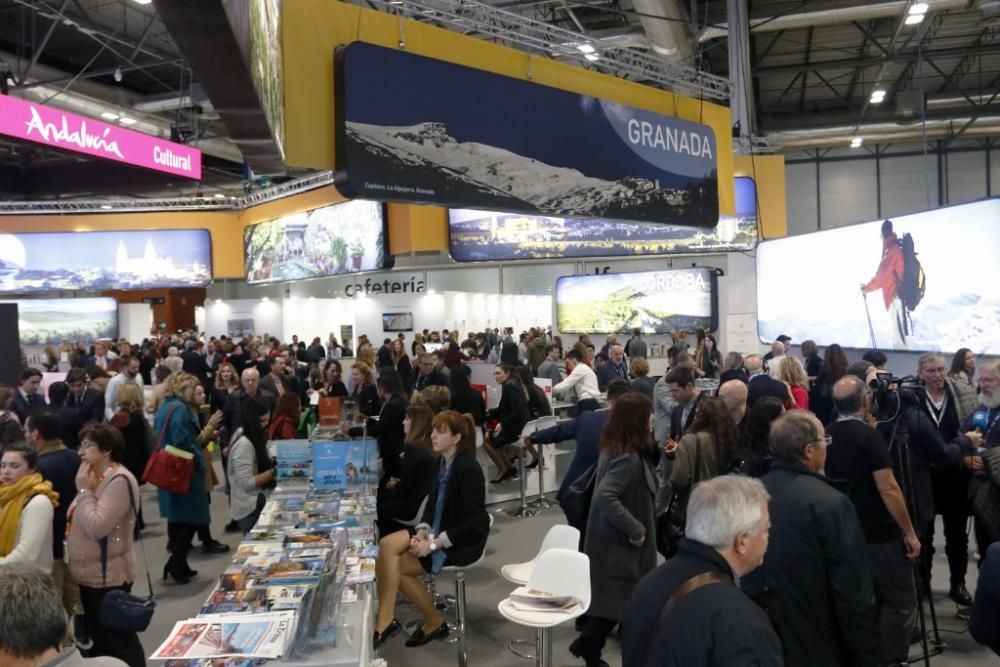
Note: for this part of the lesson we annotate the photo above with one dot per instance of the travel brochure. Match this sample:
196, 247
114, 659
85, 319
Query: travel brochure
325, 464
222, 636
287, 580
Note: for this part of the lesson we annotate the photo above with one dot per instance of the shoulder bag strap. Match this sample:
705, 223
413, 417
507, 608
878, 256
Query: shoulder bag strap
103, 542
689, 586
163, 429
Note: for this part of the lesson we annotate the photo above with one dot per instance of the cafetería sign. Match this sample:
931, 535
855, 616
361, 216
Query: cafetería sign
56, 128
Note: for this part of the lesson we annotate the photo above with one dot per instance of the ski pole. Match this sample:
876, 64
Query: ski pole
868, 315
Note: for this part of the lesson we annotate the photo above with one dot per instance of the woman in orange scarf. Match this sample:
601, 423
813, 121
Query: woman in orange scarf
26, 508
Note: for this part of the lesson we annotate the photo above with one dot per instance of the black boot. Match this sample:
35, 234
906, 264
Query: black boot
960, 594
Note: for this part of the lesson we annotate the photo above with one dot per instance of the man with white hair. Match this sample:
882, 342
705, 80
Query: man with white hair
664, 624
815, 581
985, 419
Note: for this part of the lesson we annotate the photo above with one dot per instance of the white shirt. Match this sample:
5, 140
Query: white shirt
111, 393
33, 543
774, 366
583, 380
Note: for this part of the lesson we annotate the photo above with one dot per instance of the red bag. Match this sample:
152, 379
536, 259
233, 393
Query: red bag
165, 469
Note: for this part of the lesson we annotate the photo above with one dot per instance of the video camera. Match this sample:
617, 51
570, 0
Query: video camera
892, 394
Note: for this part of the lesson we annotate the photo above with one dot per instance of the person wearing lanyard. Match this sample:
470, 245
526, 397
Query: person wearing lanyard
454, 531
614, 368
950, 483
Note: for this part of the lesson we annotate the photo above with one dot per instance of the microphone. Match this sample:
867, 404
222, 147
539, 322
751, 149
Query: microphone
980, 421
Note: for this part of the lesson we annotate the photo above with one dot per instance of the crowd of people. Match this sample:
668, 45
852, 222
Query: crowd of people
804, 450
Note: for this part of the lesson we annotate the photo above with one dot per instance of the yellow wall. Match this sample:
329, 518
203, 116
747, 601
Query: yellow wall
312, 29
227, 237
768, 172
417, 228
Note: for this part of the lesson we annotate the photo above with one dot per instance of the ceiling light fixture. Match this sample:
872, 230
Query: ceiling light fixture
107, 115
585, 48
142, 2
592, 57
878, 95
918, 8
125, 120
219, 195
914, 19
856, 142
105, 207
118, 75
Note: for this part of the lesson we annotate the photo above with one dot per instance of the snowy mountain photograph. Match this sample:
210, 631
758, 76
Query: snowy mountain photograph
809, 286
434, 132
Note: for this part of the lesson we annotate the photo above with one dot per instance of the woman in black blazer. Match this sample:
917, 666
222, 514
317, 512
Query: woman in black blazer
364, 393
512, 414
454, 532
465, 399
401, 496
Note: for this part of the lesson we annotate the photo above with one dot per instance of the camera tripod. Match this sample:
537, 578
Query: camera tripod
900, 440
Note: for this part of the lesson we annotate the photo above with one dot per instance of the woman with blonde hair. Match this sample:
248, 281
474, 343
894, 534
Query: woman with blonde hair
176, 424
131, 422
364, 393
791, 373
227, 380
366, 355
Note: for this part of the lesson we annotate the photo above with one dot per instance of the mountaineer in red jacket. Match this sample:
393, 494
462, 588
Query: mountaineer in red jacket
888, 278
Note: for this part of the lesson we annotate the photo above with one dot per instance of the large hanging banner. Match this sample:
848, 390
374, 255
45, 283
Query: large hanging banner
416, 129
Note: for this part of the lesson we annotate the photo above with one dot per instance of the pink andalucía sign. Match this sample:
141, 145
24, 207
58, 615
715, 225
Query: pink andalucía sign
57, 129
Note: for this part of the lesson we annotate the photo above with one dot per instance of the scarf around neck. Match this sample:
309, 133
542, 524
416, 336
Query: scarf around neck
13, 498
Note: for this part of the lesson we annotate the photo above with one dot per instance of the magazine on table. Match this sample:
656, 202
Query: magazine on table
229, 636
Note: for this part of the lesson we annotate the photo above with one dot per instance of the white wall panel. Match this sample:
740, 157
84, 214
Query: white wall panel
800, 195
848, 192
966, 176
909, 185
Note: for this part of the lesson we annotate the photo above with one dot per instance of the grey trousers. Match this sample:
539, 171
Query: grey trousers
895, 598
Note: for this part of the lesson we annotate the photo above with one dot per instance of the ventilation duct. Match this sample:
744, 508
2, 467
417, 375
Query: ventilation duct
668, 28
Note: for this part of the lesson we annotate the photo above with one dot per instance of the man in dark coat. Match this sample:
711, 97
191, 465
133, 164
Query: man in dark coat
194, 362
687, 612
424, 374
761, 384
388, 428
586, 431
815, 581
88, 403
27, 399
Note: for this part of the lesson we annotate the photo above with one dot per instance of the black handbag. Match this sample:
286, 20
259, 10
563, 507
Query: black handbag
575, 503
120, 609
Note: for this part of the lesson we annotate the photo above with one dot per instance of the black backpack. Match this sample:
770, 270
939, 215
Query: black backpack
913, 285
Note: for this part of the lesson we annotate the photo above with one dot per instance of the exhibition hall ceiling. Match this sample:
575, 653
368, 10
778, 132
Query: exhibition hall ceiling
814, 65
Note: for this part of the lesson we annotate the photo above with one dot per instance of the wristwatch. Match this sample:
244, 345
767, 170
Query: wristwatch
434, 546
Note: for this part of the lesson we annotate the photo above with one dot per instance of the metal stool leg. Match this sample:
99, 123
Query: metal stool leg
463, 653
542, 502
545, 647
523, 510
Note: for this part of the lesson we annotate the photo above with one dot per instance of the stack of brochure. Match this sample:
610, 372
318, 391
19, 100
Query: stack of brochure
529, 599
265, 635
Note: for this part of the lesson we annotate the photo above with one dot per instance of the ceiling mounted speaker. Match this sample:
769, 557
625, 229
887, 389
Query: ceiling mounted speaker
909, 106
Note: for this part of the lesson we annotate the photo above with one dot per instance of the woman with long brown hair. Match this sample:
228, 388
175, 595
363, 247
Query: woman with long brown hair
821, 397
454, 532
285, 422
511, 415
707, 450
620, 540
402, 496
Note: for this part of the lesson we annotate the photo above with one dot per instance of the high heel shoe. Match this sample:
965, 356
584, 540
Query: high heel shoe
380, 638
174, 572
589, 661
511, 473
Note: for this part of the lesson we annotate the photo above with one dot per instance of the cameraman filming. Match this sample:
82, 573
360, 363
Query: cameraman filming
947, 479
859, 456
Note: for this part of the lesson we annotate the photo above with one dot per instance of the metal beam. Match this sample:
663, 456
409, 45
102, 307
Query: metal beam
987, 36
97, 73
851, 63
805, 74
53, 22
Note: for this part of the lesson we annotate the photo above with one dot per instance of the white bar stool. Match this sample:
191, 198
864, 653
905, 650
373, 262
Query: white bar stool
560, 536
523, 510
558, 572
